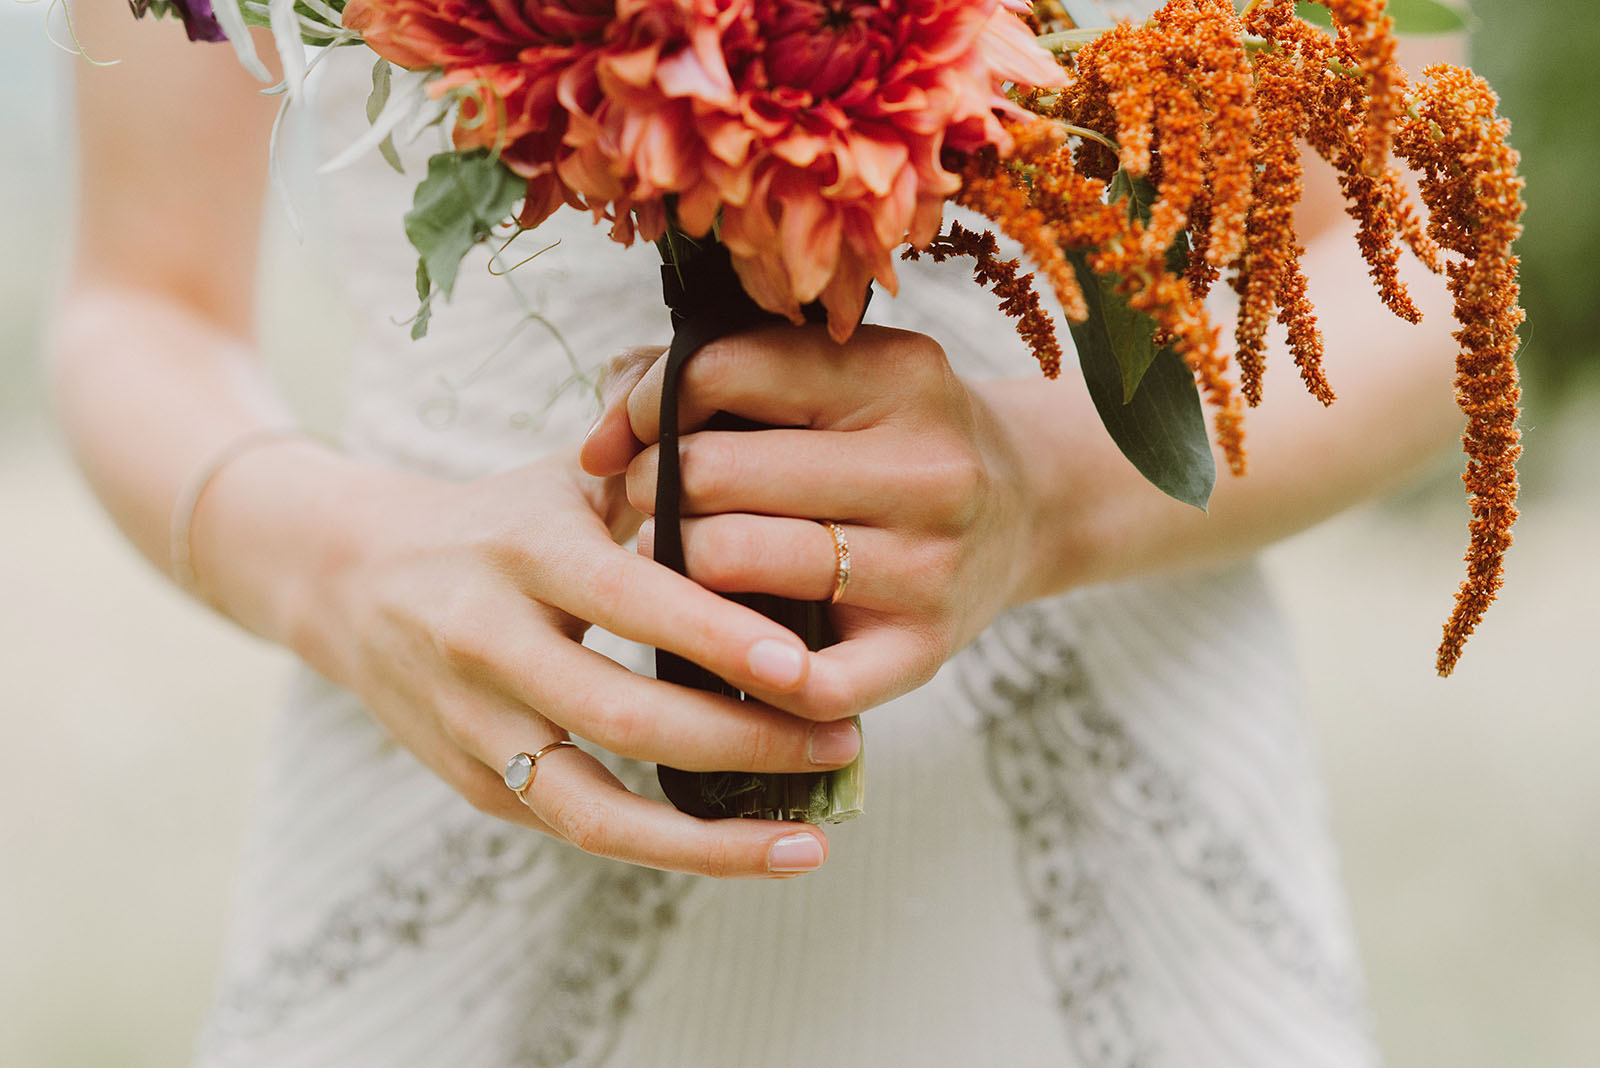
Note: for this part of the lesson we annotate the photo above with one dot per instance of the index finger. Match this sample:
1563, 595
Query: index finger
785, 375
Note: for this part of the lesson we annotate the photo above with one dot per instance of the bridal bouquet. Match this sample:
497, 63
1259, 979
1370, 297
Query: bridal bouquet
783, 153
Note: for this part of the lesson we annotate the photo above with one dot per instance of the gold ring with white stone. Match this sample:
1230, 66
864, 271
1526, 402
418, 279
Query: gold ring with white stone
841, 557
521, 768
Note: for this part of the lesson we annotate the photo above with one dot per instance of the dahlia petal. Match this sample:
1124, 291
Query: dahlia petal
635, 67
925, 222
799, 146
651, 219
733, 183
846, 298
506, 12
878, 161
697, 208
726, 137
810, 229
687, 74
749, 227
665, 156
545, 194
764, 280
1015, 54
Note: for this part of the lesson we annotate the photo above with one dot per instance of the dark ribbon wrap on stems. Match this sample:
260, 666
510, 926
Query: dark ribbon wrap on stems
707, 302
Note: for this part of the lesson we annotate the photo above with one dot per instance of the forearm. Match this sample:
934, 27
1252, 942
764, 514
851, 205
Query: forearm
1095, 518
149, 394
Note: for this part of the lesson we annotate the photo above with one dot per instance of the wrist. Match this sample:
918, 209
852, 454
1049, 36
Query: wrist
274, 534
1071, 518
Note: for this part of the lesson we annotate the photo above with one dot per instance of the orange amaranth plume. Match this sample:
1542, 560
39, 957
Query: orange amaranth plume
1474, 200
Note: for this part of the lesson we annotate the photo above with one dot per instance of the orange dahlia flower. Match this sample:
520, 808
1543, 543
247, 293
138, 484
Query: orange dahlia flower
811, 133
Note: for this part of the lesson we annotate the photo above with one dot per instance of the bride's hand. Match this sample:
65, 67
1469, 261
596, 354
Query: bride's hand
459, 621
889, 443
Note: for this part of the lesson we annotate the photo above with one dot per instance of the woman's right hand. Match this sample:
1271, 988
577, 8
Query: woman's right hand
457, 610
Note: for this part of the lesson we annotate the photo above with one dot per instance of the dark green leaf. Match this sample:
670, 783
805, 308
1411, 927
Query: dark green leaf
463, 197
1418, 18
1161, 430
1130, 332
375, 101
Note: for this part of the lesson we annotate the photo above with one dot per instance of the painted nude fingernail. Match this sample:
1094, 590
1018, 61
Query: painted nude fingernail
776, 663
795, 852
834, 743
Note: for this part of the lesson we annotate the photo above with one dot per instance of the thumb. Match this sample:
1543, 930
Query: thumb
610, 444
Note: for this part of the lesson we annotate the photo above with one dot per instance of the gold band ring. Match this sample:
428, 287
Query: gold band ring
841, 557
521, 768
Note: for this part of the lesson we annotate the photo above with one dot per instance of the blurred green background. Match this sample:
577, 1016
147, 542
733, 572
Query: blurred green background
1466, 810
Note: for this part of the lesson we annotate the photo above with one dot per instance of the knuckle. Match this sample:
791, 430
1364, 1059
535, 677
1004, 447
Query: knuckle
462, 638
487, 795
727, 549
933, 645
707, 469
709, 371
613, 578
923, 362
831, 702
457, 723
718, 860
953, 481
584, 823
618, 727
936, 562
761, 748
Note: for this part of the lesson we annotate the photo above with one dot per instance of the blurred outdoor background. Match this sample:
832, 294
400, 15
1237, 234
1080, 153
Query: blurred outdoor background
1468, 811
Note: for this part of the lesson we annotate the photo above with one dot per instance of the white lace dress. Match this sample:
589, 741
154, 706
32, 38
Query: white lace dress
1129, 864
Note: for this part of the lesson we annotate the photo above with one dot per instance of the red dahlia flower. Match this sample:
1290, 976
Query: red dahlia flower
813, 128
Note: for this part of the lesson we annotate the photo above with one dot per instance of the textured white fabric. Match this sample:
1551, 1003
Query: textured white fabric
1095, 839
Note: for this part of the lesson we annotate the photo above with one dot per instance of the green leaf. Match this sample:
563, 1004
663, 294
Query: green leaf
1161, 430
1417, 18
419, 325
1131, 332
375, 101
464, 196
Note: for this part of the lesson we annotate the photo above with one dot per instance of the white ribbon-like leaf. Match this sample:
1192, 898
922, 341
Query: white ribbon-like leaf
231, 19
286, 35
407, 95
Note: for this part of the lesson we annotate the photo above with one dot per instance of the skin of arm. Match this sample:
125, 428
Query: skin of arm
455, 611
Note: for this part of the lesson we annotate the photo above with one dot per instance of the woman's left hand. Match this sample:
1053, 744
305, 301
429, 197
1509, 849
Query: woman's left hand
878, 435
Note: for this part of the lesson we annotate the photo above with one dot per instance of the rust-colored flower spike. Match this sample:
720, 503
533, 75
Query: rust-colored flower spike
1288, 80
1470, 187
1018, 298
1204, 46
1189, 57
1367, 42
987, 187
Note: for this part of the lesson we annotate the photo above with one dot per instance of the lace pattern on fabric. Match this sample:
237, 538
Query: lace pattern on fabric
401, 906
584, 989
585, 993
1071, 775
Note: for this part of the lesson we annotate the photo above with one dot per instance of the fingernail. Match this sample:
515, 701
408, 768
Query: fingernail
795, 852
593, 427
776, 663
834, 743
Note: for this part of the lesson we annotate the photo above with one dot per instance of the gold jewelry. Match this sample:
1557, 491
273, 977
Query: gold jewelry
521, 768
841, 556
189, 499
